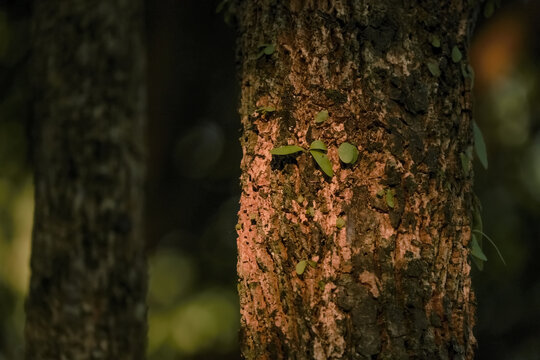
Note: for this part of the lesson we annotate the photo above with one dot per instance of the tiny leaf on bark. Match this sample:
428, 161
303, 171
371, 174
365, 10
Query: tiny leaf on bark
390, 198
321, 116
435, 41
476, 250
456, 54
301, 267
348, 153
286, 150
480, 145
433, 67
318, 145
323, 162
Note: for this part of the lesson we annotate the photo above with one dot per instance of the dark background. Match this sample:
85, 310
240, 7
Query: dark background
193, 170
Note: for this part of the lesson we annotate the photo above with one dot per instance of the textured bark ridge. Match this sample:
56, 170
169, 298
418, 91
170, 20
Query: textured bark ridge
394, 282
88, 284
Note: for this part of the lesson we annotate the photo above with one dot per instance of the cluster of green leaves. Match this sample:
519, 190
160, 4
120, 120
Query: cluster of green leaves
348, 154
266, 49
388, 195
301, 266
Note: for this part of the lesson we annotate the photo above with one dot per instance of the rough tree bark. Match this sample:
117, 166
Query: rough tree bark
393, 283
88, 283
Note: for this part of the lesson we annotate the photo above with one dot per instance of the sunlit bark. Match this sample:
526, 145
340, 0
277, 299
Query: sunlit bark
393, 282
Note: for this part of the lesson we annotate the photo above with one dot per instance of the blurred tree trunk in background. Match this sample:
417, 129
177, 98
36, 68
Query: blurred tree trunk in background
390, 233
88, 283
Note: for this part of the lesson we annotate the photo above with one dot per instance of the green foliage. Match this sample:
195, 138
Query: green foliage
456, 54
435, 41
476, 250
286, 150
301, 267
265, 109
390, 198
323, 162
348, 153
340, 223
318, 145
433, 67
266, 49
321, 116
492, 243
480, 145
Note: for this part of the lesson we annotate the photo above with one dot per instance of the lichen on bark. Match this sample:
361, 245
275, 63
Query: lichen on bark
394, 281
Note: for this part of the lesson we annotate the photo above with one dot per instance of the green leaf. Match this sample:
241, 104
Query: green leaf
380, 193
321, 116
318, 145
269, 49
323, 162
286, 150
477, 220
476, 250
480, 145
312, 263
266, 109
310, 211
489, 9
390, 198
433, 67
456, 54
340, 223
491, 242
266, 49
348, 153
301, 267
479, 263
435, 41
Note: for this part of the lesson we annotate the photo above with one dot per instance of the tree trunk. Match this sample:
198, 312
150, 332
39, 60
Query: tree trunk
390, 233
88, 283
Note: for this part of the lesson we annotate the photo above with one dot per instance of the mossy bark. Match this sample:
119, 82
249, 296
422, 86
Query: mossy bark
88, 283
394, 282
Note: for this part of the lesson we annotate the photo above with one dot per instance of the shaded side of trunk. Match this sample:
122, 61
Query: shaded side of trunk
390, 233
88, 283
